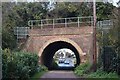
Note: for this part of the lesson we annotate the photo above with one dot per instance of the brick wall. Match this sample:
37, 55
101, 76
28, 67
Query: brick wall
82, 36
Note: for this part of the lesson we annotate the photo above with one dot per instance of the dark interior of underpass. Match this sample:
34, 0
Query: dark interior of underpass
49, 51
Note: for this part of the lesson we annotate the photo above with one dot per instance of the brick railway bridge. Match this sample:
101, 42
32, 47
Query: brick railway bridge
49, 35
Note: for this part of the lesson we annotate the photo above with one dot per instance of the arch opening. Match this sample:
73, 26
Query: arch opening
50, 50
64, 58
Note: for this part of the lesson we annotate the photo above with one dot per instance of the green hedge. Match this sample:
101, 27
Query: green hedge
110, 60
83, 71
19, 65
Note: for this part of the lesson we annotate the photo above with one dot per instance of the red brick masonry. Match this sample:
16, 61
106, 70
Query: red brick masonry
82, 36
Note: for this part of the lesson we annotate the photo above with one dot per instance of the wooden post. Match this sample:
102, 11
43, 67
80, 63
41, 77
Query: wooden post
94, 37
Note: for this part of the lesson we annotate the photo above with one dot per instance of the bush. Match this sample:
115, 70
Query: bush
43, 68
20, 65
102, 74
110, 60
54, 64
82, 69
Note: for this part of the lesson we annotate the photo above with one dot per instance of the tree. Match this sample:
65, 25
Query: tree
70, 9
8, 39
18, 15
104, 10
114, 32
111, 43
30, 11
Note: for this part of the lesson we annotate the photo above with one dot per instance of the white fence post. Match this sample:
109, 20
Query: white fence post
65, 22
91, 22
41, 24
31, 24
53, 23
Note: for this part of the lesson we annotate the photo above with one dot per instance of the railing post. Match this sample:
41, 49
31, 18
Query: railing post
91, 21
65, 22
31, 24
78, 22
53, 23
28, 23
41, 24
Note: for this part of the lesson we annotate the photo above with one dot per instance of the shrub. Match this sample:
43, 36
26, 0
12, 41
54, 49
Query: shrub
102, 74
82, 69
110, 60
43, 68
27, 59
54, 64
19, 65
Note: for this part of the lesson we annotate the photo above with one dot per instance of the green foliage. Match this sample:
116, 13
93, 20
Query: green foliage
37, 75
8, 38
104, 10
109, 57
17, 15
19, 65
43, 68
102, 74
71, 9
41, 71
29, 11
82, 69
110, 60
54, 64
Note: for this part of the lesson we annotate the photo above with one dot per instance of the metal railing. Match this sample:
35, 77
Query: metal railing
21, 32
105, 24
62, 22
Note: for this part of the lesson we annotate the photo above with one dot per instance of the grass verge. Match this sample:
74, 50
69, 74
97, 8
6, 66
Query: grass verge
83, 71
37, 75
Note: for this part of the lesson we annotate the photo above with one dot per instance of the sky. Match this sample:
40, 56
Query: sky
115, 2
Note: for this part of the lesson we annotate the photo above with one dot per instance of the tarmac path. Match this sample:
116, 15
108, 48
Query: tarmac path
59, 75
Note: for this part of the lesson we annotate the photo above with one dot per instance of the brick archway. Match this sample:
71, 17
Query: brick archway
60, 39
65, 40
